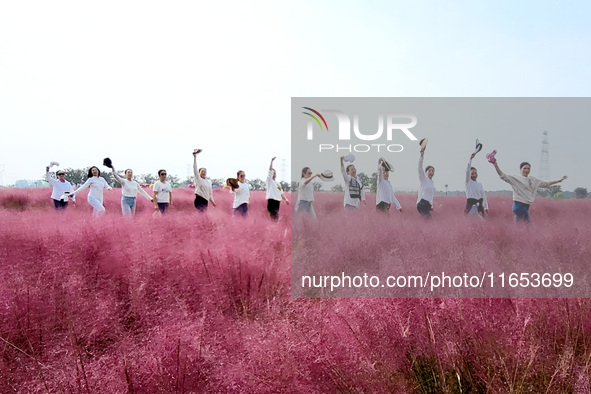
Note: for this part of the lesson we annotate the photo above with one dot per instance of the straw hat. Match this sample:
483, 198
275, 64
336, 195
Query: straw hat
349, 158
387, 166
423, 143
197, 150
326, 176
478, 146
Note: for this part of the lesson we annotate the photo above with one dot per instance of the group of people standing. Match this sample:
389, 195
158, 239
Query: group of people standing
524, 188
62, 190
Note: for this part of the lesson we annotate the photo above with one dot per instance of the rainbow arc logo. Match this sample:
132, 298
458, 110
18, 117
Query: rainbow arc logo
315, 118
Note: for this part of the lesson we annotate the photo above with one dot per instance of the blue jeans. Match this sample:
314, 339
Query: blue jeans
424, 208
521, 211
127, 205
306, 206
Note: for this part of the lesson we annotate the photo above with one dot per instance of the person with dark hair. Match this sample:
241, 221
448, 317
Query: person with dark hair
524, 187
162, 192
354, 192
129, 191
241, 195
475, 195
60, 189
203, 188
274, 193
426, 188
306, 193
96, 184
384, 192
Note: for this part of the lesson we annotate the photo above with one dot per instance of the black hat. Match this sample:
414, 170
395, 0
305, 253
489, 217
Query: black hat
107, 162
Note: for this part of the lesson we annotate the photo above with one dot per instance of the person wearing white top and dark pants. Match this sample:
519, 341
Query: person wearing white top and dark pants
241, 196
524, 188
274, 193
129, 191
306, 193
162, 193
475, 195
426, 188
96, 185
203, 189
384, 192
354, 192
60, 189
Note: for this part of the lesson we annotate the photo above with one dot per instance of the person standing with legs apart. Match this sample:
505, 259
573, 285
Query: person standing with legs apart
60, 188
274, 193
306, 193
384, 192
354, 192
426, 186
203, 189
96, 184
524, 187
475, 195
162, 193
129, 191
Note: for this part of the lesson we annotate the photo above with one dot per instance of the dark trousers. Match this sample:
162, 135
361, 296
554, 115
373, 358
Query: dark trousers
200, 203
424, 208
241, 210
163, 206
59, 204
273, 208
383, 207
471, 202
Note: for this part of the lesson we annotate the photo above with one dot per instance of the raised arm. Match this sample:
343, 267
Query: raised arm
84, 186
550, 183
346, 176
380, 171
271, 165
422, 175
116, 176
48, 177
469, 167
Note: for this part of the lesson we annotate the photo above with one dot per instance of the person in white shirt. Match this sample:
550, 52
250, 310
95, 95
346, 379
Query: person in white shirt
524, 187
426, 188
354, 192
274, 193
241, 195
60, 189
203, 188
384, 192
162, 193
475, 195
129, 191
96, 184
306, 193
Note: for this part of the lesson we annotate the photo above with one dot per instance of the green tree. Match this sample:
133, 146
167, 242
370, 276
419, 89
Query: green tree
285, 186
337, 189
256, 184
581, 192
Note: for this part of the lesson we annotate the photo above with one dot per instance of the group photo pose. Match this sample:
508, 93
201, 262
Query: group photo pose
524, 187
97, 184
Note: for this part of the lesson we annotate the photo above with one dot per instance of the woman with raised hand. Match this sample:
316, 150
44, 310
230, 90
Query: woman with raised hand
162, 193
129, 191
306, 193
241, 195
524, 187
60, 188
203, 189
426, 186
354, 192
96, 184
274, 193
384, 192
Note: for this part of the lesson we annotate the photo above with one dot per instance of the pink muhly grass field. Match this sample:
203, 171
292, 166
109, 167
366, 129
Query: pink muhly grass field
194, 303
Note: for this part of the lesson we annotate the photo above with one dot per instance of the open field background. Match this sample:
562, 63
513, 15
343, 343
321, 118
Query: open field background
191, 303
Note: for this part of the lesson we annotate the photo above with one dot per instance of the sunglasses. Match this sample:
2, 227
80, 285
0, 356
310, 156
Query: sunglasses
164, 173
61, 174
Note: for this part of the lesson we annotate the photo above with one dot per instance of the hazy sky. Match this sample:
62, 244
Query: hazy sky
146, 82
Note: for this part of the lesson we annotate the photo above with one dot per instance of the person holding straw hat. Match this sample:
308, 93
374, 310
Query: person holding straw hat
203, 188
384, 192
306, 192
426, 186
60, 187
354, 192
475, 195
